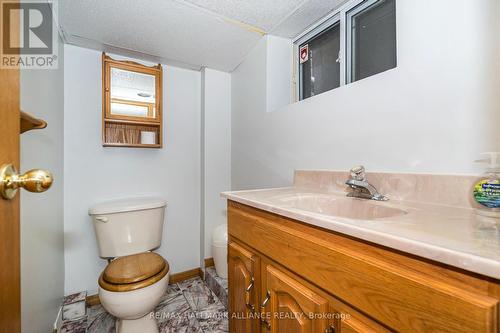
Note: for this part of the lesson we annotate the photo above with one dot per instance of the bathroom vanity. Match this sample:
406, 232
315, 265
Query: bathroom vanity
307, 259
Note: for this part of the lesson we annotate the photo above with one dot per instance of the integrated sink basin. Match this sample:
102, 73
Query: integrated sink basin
351, 208
417, 219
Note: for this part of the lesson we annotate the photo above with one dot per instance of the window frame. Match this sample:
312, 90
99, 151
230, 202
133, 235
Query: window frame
345, 55
349, 38
318, 28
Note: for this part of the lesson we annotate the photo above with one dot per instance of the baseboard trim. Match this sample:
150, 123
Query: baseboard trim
186, 275
209, 262
174, 278
93, 300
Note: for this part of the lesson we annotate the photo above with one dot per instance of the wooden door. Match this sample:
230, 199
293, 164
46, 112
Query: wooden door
10, 294
244, 284
292, 306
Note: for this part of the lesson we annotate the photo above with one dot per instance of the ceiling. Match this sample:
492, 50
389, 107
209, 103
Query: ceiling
131, 85
187, 33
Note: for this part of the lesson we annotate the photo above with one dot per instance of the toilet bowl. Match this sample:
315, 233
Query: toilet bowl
131, 287
135, 279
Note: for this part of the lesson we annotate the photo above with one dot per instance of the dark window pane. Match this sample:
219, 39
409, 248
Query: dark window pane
321, 72
373, 40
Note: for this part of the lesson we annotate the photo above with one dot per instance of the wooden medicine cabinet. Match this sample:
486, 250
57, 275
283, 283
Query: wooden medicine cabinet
132, 104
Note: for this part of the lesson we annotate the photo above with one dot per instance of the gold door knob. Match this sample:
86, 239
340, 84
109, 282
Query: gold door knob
33, 181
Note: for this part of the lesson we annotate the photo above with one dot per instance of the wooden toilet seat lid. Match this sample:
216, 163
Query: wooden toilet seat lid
133, 272
134, 268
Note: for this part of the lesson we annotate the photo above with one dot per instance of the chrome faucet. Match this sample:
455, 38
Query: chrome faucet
360, 186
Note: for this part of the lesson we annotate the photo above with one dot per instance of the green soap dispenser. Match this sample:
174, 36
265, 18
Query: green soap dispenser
487, 190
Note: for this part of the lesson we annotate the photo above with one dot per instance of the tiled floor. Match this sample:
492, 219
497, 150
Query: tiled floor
217, 284
189, 306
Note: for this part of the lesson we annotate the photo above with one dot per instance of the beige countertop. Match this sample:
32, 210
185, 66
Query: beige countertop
441, 232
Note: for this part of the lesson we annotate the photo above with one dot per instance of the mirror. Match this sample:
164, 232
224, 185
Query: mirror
132, 96
132, 93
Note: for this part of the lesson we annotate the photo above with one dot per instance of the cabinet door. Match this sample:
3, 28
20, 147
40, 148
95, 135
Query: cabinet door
292, 307
243, 274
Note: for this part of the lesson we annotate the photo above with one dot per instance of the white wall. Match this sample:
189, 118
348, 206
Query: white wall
94, 173
42, 235
434, 113
248, 108
279, 69
216, 151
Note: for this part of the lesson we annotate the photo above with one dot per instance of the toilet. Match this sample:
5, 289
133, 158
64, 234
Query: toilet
135, 279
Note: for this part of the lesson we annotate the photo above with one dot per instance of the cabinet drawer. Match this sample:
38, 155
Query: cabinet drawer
402, 298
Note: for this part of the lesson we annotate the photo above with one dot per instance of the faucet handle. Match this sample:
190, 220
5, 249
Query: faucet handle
358, 173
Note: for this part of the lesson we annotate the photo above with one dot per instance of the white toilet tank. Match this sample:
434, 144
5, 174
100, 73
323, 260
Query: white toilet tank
128, 226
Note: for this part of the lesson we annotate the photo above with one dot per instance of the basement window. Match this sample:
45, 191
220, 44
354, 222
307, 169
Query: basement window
352, 43
320, 65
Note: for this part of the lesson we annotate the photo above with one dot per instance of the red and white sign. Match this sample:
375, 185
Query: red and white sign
304, 53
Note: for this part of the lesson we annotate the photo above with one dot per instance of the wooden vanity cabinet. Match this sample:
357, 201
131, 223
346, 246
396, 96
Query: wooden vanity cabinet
292, 305
311, 280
